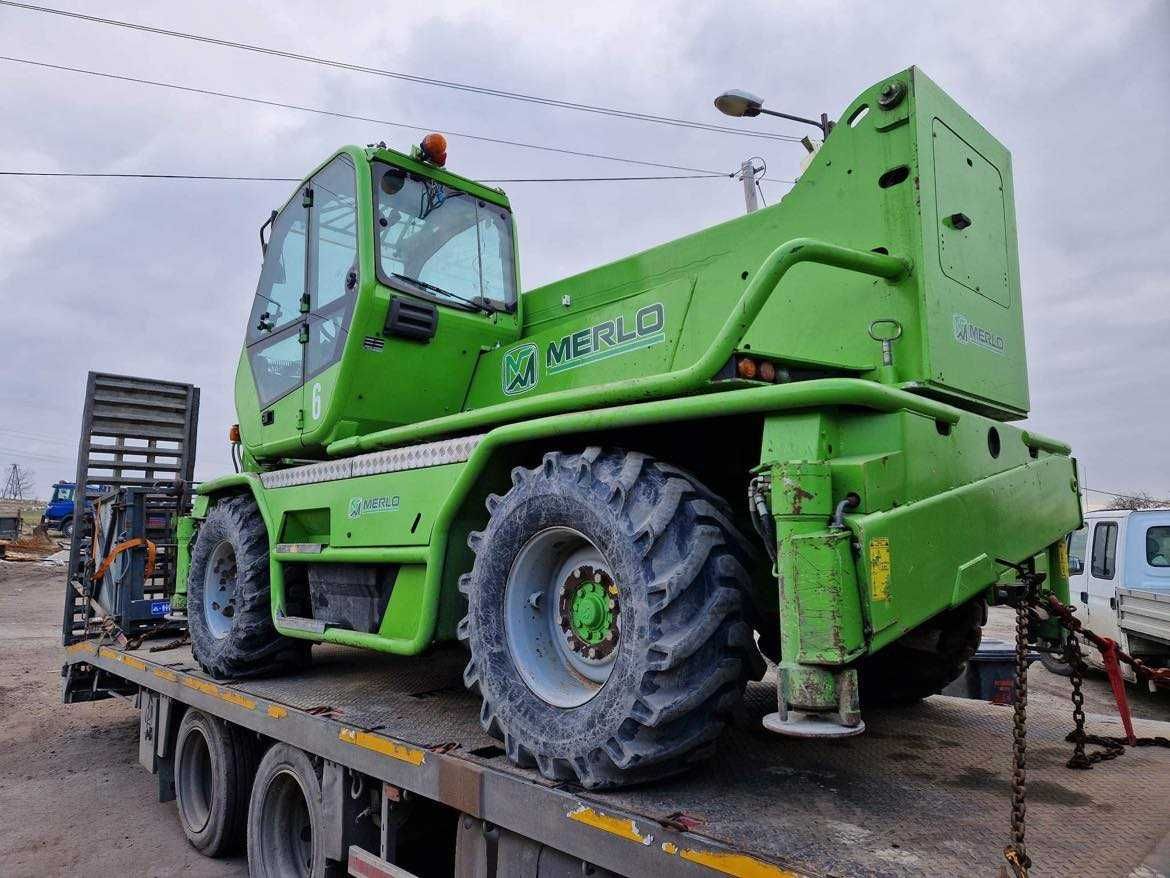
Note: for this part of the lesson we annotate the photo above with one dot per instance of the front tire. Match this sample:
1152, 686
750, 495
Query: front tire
607, 618
228, 601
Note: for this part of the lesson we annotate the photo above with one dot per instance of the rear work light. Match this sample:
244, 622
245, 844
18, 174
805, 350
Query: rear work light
751, 368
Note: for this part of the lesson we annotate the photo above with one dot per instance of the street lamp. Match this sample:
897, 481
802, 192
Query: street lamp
737, 102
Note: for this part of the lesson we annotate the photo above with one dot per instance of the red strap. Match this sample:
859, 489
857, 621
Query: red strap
151, 552
1113, 669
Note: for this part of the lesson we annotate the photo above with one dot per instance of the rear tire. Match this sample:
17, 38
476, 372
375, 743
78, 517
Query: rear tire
67, 528
584, 531
214, 766
923, 662
229, 610
286, 819
1054, 664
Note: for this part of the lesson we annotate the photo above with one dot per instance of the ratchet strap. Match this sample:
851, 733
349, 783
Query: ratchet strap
151, 552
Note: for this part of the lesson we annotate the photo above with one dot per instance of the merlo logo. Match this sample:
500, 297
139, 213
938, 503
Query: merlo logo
520, 369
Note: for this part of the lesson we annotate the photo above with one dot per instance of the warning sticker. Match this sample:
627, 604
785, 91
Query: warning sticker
1062, 560
879, 568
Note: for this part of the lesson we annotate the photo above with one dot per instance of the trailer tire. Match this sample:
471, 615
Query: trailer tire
214, 766
924, 661
229, 611
626, 526
286, 817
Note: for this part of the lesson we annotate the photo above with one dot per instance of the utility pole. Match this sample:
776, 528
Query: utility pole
18, 482
747, 173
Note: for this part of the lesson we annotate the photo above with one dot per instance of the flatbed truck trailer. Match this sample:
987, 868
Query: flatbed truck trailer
409, 784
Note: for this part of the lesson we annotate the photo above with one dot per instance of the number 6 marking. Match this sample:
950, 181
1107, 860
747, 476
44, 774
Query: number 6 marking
316, 406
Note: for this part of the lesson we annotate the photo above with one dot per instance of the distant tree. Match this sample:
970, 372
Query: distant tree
1140, 500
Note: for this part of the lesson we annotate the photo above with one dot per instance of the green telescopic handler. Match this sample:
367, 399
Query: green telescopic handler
785, 436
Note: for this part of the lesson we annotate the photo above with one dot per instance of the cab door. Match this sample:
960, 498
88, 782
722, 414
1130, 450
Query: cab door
273, 346
1102, 579
333, 281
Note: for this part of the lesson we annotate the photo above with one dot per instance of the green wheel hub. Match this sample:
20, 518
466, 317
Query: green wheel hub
589, 613
590, 616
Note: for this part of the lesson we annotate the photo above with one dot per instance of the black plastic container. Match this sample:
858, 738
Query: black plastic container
990, 674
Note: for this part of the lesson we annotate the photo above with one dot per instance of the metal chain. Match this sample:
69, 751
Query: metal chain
1065, 614
1016, 852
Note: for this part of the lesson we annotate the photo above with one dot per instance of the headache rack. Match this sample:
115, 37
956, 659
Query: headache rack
135, 462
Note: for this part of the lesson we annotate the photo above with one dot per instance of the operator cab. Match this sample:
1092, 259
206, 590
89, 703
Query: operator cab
384, 275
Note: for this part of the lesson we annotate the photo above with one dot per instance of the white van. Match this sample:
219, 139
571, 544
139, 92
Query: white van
1119, 582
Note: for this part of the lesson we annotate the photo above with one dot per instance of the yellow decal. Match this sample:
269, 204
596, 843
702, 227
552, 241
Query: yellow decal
726, 862
1062, 559
164, 674
383, 745
214, 691
276, 711
82, 646
879, 568
739, 865
622, 827
137, 664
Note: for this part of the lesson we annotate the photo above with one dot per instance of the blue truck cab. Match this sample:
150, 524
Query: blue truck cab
59, 513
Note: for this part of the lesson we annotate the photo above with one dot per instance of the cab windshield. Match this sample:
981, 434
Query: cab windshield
443, 243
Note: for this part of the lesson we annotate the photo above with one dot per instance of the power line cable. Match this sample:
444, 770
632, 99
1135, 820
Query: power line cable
339, 115
408, 77
260, 179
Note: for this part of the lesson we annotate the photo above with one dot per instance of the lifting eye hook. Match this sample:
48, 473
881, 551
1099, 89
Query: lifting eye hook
887, 340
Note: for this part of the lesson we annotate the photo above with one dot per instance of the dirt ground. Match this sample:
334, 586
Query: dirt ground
73, 795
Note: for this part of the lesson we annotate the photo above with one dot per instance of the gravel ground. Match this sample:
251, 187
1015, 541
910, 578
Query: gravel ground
72, 795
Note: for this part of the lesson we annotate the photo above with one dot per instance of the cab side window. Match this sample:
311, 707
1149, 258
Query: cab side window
274, 351
1104, 549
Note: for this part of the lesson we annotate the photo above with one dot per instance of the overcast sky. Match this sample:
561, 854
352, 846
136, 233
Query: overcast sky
155, 278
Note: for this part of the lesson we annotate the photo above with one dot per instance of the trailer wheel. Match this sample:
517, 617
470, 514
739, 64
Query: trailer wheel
214, 766
607, 618
286, 818
228, 602
923, 662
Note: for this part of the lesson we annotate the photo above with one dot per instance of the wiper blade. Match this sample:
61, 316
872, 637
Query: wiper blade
477, 303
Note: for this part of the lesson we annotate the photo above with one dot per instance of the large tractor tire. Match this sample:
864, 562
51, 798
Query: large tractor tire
607, 618
228, 602
924, 661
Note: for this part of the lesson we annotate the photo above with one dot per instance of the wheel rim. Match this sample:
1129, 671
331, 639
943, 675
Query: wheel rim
562, 616
195, 780
286, 828
220, 580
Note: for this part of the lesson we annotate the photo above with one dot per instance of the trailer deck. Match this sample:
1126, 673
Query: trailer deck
923, 792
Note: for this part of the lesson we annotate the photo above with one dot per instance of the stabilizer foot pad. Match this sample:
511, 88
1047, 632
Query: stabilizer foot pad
810, 725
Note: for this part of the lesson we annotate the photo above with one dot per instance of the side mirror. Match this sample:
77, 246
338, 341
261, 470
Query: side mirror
1075, 565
